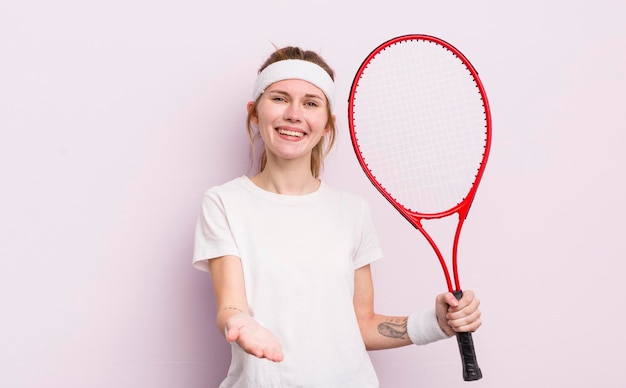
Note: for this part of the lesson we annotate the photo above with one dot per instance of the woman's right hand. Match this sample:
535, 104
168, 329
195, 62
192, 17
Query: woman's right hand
253, 337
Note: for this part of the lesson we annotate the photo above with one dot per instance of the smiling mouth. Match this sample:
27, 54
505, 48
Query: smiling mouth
287, 132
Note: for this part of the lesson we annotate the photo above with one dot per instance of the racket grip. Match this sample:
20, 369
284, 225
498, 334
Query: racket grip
471, 370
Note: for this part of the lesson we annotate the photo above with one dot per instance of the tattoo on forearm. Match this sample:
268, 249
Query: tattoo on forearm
394, 328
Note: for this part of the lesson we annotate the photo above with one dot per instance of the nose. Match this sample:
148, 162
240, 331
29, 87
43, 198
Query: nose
293, 112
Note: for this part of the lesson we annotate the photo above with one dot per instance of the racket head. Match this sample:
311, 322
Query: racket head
420, 126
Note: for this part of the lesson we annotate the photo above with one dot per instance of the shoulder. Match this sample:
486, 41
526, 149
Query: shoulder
347, 195
232, 187
220, 196
347, 199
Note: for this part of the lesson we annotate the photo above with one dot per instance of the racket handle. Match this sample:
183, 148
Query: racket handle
471, 370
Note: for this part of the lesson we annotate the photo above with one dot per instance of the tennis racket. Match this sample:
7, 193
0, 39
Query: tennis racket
421, 130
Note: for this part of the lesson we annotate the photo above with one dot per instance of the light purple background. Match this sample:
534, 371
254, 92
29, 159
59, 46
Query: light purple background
115, 116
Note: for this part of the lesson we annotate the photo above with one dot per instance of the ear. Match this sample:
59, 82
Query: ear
252, 113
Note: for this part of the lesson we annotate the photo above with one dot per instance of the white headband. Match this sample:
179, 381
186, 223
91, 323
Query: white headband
295, 69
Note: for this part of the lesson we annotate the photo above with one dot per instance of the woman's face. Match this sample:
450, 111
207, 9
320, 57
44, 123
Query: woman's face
292, 118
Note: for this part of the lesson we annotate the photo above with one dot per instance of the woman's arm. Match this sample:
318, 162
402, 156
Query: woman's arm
233, 314
230, 289
384, 332
378, 331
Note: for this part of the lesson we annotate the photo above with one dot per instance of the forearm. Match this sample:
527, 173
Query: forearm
229, 287
386, 332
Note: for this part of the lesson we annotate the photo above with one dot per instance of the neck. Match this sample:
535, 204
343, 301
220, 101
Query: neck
286, 181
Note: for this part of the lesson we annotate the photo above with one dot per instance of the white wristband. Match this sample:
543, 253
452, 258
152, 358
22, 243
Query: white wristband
423, 328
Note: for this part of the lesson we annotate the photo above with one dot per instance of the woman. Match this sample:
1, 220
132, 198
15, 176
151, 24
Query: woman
290, 256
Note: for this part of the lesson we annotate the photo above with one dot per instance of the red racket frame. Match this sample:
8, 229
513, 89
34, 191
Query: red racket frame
415, 218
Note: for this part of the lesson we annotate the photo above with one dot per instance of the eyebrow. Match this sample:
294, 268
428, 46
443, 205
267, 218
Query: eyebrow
308, 95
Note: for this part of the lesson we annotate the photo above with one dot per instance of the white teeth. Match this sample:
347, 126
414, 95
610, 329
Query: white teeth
290, 133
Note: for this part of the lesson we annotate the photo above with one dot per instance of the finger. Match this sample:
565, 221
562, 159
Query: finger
268, 352
472, 327
466, 323
448, 299
468, 301
232, 334
275, 355
467, 298
463, 312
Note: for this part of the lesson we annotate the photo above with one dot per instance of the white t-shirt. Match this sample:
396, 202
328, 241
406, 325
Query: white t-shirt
299, 254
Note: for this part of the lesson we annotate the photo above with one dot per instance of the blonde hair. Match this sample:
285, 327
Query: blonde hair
325, 144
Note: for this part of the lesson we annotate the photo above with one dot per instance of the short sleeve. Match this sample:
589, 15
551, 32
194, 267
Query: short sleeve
213, 236
368, 249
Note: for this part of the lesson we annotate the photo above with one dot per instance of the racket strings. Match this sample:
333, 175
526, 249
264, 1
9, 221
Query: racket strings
419, 121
